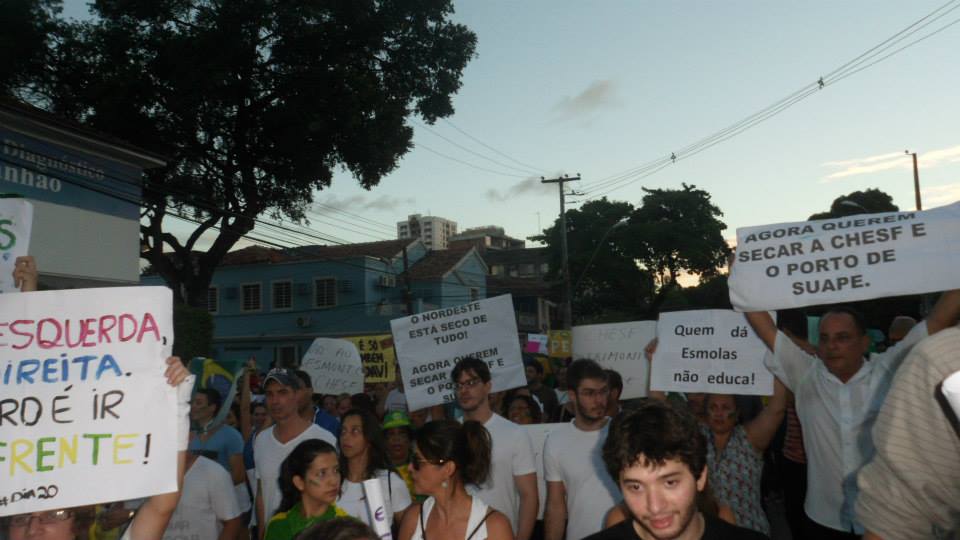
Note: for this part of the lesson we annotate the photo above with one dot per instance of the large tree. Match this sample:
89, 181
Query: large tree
255, 103
869, 201
27, 31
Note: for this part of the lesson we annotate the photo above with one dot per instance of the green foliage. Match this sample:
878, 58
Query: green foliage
255, 104
27, 28
193, 332
870, 201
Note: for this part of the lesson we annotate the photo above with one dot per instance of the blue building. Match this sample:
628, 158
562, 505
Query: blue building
271, 303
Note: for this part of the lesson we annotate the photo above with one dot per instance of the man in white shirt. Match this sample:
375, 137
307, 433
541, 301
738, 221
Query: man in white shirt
838, 395
208, 506
282, 388
580, 491
512, 485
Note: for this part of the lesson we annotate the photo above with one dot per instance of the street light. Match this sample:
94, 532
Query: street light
617, 225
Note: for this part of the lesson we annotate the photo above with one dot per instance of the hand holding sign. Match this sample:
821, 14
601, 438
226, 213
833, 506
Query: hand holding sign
16, 220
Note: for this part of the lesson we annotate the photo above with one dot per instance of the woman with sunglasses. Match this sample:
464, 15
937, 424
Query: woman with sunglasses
447, 456
149, 522
310, 484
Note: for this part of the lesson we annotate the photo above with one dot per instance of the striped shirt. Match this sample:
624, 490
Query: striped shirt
911, 489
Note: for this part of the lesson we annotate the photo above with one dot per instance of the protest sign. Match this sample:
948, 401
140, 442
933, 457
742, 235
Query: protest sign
713, 350
334, 366
16, 220
537, 344
619, 347
377, 355
846, 259
430, 344
538, 436
559, 345
85, 413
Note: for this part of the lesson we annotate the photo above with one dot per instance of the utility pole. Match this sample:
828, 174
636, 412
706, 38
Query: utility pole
567, 299
916, 178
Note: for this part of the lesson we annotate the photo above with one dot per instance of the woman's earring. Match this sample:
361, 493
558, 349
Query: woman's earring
444, 484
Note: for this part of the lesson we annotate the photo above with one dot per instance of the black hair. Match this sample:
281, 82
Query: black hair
529, 361
477, 366
213, 398
468, 445
614, 380
650, 435
297, 464
535, 411
583, 369
373, 435
342, 528
303, 376
858, 319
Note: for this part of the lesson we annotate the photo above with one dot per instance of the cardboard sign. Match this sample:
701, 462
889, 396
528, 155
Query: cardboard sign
619, 347
538, 436
334, 366
846, 259
16, 220
430, 344
559, 345
713, 350
537, 344
86, 415
378, 357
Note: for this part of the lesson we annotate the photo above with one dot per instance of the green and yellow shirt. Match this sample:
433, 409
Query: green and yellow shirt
286, 525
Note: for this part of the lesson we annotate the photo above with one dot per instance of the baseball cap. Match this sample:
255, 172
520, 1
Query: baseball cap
285, 377
396, 419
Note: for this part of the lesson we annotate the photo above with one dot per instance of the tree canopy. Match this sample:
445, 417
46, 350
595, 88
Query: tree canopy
254, 103
869, 201
673, 231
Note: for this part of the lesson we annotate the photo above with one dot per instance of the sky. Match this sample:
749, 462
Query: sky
603, 88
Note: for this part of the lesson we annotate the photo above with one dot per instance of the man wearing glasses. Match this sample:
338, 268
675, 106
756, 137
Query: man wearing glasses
579, 490
511, 486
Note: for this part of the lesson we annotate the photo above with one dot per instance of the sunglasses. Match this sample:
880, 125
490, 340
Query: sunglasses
416, 462
45, 518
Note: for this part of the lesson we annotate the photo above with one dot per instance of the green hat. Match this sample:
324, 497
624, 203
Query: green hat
395, 419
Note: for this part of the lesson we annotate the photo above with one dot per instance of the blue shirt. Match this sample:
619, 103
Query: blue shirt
325, 420
223, 443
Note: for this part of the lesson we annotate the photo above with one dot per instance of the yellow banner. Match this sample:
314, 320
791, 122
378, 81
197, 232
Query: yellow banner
379, 359
559, 344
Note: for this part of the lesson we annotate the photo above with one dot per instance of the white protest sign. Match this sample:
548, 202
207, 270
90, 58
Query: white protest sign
86, 415
846, 259
538, 436
334, 366
429, 345
713, 350
16, 220
382, 517
618, 346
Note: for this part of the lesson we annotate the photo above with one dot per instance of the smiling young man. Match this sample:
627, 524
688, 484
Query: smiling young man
511, 486
579, 491
659, 458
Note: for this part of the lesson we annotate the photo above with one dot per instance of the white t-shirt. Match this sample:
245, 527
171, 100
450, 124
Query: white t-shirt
512, 456
269, 453
396, 401
573, 456
208, 499
396, 497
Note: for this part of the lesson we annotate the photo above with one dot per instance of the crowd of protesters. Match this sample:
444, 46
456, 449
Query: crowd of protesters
830, 443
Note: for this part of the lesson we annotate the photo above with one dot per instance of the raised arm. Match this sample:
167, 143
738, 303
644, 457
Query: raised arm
945, 312
763, 427
649, 351
763, 325
25, 274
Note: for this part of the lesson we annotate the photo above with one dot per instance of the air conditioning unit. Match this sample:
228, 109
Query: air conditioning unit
304, 321
387, 281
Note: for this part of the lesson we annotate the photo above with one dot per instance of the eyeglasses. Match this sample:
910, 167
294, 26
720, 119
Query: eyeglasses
469, 383
415, 462
45, 518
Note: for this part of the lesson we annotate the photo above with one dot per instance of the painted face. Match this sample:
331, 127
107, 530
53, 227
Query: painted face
519, 412
590, 399
841, 346
661, 499
49, 525
200, 409
721, 413
282, 401
322, 481
259, 417
352, 441
472, 392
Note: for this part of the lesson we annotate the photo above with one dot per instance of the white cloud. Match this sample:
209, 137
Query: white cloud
892, 160
599, 95
940, 195
359, 202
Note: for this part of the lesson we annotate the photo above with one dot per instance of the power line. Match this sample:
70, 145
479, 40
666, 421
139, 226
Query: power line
460, 161
479, 155
492, 149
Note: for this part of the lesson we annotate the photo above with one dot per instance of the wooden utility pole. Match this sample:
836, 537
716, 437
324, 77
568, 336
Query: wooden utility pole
567, 300
916, 179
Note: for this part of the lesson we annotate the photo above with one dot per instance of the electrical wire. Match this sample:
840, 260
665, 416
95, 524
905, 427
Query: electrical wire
540, 170
468, 164
477, 154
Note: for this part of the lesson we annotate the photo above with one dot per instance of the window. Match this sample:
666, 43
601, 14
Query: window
282, 295
325, 292
496, 269
213, 300
251, 297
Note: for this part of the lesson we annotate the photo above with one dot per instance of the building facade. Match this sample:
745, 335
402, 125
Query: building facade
434, 231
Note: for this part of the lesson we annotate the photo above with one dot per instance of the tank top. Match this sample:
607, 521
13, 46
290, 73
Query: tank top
476, 525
